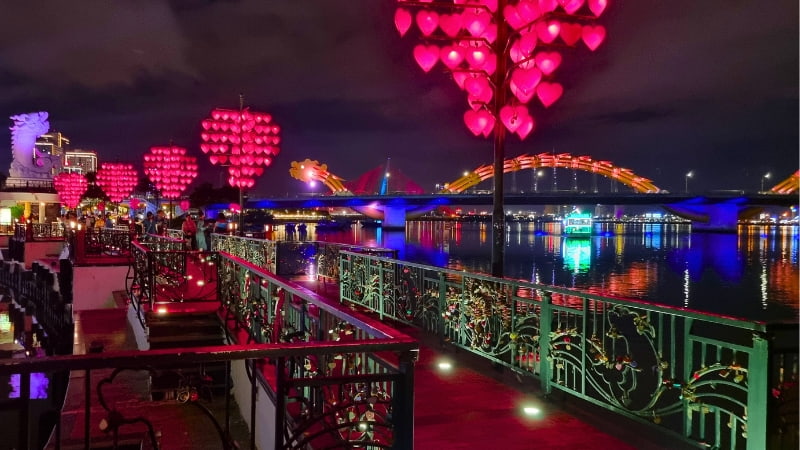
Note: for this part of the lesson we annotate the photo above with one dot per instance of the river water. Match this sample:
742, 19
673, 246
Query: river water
753, 274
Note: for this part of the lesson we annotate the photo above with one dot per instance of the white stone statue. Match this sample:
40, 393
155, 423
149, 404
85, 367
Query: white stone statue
27, 162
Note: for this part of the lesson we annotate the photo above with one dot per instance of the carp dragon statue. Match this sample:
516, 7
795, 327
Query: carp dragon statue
28, 162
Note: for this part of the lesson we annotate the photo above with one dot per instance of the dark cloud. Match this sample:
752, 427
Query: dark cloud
709, 86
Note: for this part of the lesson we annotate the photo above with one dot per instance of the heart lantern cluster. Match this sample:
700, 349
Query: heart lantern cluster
70, 187
245, 141
117, 180
533, 32
170, 169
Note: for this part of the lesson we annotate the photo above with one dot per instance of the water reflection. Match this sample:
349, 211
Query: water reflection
753, 273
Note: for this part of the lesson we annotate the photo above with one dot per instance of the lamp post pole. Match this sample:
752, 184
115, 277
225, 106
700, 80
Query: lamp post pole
766, 176
690, 174
498, 199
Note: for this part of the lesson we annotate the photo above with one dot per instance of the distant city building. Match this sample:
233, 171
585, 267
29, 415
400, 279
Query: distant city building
80, 161
53, 143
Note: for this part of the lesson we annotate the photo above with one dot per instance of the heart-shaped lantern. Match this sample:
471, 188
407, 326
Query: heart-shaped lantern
548, 31
427, 21
571, 6
476, 56
451, 56
475, 85
490, 121
475, 21
512, 116
529, 11
593, 36
597, 6
247, 140
525, 127
426, 56
475, 122
470, 28
513, 19
525, 80
549, 93
571, 33
450, 24
547, 6
548, 62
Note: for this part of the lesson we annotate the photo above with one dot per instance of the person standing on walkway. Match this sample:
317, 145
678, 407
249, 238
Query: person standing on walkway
149, 224
202, 233
161, 222
189, 229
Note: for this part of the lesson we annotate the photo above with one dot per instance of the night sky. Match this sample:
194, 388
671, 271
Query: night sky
709, 86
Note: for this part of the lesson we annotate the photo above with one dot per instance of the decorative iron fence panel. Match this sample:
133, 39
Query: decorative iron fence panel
696, 375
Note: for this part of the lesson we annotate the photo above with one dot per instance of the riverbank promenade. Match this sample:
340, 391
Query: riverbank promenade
313, 345
469, 406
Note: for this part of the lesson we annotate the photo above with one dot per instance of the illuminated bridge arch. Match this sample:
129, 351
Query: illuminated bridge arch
562, 160
789, 185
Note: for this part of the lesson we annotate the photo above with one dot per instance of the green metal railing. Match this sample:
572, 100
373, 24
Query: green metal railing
358, 396
701, 377
322, 396
292, 257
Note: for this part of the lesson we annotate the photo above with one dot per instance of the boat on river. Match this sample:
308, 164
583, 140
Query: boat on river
578, 223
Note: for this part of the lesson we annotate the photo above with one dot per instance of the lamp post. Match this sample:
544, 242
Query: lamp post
502, 54
690, 174
245, 141
766, 176
536, 175
170, 170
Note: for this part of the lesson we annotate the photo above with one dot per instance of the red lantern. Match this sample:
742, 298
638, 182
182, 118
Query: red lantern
246, 141
117, 180
462, 36
70, 187
170, 169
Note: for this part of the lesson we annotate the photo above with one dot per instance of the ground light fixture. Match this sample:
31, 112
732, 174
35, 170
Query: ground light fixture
504, 55
444, 365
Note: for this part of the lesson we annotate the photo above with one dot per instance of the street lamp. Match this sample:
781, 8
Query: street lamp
764, 177
536, 175
690, 174
502, 54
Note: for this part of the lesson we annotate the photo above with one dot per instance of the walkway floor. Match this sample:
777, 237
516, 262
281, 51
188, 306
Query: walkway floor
177, 426
477, 406
471, 406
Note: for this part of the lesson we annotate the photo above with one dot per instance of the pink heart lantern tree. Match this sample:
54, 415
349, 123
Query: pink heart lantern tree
117, 180
462, 35
70, 187
245, 141
170, 170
